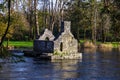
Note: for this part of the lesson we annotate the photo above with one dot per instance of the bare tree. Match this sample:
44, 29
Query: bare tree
36, 19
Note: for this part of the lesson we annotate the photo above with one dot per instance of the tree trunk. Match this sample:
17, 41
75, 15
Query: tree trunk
29, 15
8, 25
36, 19
94, 21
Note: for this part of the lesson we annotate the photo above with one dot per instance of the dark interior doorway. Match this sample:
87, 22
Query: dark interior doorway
47, 39
61, 46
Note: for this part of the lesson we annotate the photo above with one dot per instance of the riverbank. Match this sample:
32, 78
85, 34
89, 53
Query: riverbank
90, 44
83, 43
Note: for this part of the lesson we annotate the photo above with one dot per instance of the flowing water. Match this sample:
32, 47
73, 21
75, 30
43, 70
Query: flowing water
95, 65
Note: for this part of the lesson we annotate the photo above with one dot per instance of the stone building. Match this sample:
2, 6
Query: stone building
47, 35
65, 45
45, 43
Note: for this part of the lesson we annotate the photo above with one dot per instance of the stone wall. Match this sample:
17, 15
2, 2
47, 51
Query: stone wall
45, 43
66, 43
65, 46
47, 35
41, 46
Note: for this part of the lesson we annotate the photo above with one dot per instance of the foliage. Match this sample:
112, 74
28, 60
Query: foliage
4, 53
20, 26
3, 26
104, 26
60, 53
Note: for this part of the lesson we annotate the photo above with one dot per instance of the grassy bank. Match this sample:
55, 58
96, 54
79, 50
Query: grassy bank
19, 44
114, 44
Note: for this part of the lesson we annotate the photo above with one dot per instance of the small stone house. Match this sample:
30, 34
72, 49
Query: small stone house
64, 43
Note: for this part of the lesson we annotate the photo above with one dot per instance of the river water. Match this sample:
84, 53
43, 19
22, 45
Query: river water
95, 65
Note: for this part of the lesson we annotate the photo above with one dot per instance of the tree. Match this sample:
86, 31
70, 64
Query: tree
6, 31
36, 19
115, 18
85, 16
75, 15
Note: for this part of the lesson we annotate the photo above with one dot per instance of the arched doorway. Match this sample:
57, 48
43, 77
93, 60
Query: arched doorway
61, 46
47, 39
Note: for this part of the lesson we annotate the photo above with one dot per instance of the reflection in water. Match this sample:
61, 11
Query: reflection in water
105, 50
95, 65
102, 66
89, 50
67, 68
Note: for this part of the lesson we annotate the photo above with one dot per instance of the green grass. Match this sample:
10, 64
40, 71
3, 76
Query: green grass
19, 43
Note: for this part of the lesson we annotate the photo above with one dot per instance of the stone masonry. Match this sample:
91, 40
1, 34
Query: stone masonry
66, 43
47, 35
45, 43
65, 46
